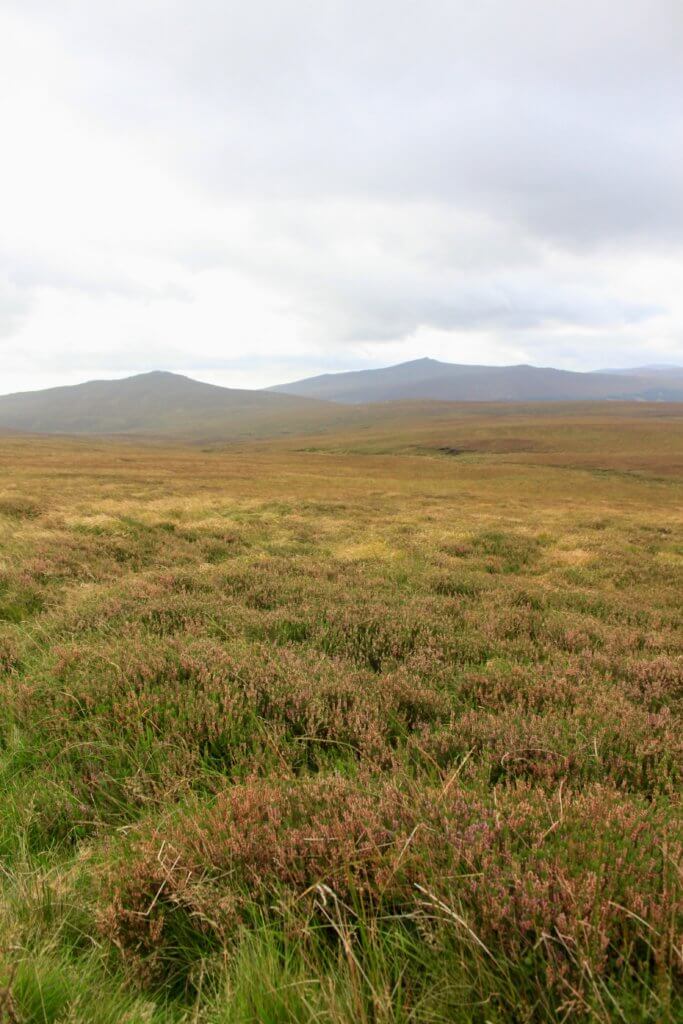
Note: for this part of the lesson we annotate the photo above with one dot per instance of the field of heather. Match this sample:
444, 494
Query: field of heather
361, 728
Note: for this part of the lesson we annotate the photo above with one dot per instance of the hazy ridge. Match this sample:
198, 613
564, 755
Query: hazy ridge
432, 379
168, 404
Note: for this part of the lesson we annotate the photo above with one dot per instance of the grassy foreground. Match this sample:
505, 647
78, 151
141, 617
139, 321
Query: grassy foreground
384, 730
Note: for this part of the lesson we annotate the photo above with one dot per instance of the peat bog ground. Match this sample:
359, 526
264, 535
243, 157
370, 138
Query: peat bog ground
381, 725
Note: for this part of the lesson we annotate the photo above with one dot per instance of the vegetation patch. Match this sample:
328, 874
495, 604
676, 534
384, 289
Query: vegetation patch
397, 743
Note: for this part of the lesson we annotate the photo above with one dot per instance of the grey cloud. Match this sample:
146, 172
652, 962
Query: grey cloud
382, 272
563, 117
463, 165
506, 306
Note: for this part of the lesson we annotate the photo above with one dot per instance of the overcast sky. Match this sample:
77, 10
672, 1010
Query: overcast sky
255, 192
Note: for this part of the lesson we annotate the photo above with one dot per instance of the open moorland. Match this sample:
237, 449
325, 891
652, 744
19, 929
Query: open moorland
380, 723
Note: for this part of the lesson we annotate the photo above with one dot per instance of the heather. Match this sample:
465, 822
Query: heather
347, 727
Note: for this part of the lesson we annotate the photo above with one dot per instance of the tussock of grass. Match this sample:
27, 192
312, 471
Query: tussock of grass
19, 507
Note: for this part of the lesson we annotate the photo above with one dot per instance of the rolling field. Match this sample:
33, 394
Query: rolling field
377, 724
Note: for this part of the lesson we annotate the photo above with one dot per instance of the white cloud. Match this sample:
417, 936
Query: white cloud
254, 193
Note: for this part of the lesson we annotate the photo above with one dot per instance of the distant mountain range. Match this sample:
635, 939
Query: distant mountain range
168, 404
653, 370
431, 379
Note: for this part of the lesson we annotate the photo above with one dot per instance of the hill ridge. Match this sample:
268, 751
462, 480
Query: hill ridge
164, 403
426, 379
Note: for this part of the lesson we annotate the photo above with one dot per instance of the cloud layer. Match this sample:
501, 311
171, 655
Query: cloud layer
254, 192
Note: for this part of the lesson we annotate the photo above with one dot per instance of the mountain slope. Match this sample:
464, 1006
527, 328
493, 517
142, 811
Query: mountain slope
156, 404
431, 379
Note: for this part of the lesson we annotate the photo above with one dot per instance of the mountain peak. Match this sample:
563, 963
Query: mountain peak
153, 375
